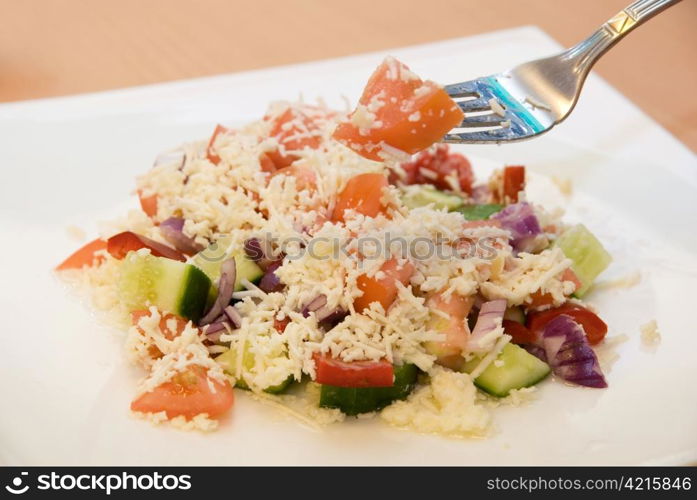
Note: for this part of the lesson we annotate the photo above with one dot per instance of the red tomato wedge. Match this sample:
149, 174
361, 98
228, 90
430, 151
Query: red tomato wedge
120, 244
435, 167
266, 164
280, 324
295, 130
188, 394
362, 194
305, 177
210, 153
513, 183
383, 290
165, 321
332, 371
595, 328
520, 333
84, 256
400, 110
148, 204
540, 300
455, 328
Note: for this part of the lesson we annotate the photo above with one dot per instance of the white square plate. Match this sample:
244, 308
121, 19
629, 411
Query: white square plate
66, 390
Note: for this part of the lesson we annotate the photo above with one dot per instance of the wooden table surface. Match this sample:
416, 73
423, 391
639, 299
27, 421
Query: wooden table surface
59, 47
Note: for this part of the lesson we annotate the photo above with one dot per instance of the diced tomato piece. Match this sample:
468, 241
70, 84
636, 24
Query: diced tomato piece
210, 153
188, 394
363, 194
520, 333
402, 111
455, 328
148, 204
570, 275
540, 300
84, 256
595, 328
332, 371
434, 168
165, 320
305, 177
266, 164
281, 324
120, 244
383, 290
295, 130
513, 183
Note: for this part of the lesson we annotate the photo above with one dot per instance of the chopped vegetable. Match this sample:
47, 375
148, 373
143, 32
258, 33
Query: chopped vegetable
437, 167
587, 253
513, 368
427, 195
211, 259
85, 256
169, 285
226, 286
519, 333
363, 193
294, 130
172, 230
188, 394
479, 212
594, 327
121, 244
333, 371
522, 222
398, 110
490, 318
383, 290
569, 354
270, 282
354, 401
513, 183
148, 204
210, 150
228, 360
456, 308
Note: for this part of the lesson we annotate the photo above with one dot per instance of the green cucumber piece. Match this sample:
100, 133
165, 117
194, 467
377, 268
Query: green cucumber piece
353, 401
515, 313
170, 285
520, 369
587, 253
211, 259
479, 212
426, 195
228, 360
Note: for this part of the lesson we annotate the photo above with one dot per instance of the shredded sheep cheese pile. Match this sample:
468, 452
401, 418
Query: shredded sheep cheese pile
237, 199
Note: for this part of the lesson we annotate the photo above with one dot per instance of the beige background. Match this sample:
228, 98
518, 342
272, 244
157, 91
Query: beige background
59, 47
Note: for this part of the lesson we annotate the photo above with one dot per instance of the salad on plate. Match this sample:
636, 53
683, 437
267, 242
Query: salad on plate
344, 264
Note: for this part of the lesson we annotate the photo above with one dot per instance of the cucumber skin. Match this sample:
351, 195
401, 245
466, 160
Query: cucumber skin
195, 295
490, 381
353, 401
479, 212
192, 291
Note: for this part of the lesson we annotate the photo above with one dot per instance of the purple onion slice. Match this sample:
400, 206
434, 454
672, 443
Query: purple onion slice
270, 282
314, 305
226, 287
490, 317
172, 231
233, 315
522, 222
569, 354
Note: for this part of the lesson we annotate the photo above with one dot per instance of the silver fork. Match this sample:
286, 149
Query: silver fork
533, 97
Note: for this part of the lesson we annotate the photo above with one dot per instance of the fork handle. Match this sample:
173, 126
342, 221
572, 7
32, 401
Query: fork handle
587, 52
